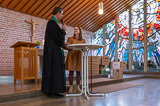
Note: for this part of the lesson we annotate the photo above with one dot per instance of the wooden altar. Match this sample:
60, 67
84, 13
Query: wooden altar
25, 61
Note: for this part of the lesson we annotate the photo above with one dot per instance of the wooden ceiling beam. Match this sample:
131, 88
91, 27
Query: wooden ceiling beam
91, 13
109, 7
120, 11
126, 7
20, 5
50, 5
69, 5
74, 11
67, 2
112, 11
13, 4
70, 10
1, 1
106, 18
103, 23
67, 21
35, 6
9, 3
40, 7
64, 9
28, 5
5, 3
49, 12
83, 14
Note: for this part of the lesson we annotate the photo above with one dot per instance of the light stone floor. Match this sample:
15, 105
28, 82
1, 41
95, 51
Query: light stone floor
7, 86
147, 94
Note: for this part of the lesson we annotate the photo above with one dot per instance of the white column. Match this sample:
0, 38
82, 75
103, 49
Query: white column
104, 40
130, 41
145, 36
116, 39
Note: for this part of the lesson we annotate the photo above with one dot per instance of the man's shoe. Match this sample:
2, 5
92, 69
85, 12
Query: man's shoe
59, 95
52, 95
55, 95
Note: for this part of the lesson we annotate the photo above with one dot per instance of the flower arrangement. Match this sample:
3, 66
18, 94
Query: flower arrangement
38, 41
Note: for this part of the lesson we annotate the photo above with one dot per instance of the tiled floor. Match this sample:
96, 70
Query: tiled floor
146, 94
7, 86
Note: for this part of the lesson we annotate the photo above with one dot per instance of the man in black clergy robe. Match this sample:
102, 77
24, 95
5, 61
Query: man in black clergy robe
53, 73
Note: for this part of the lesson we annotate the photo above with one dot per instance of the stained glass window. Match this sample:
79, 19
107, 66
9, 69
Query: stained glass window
137, 20
153, 33
123, 33
98, 39
110, 40
137, 24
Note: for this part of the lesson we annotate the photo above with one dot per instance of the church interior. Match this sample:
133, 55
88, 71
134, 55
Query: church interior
124, 66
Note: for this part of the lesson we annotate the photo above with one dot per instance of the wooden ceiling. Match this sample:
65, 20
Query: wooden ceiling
83, 13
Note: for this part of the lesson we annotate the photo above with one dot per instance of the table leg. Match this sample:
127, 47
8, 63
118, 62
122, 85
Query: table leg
85, 85
85, 88
87, 82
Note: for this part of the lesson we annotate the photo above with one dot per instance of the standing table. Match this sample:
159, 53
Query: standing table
84, 48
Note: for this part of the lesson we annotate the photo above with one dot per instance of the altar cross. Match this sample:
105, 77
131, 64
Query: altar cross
33, 28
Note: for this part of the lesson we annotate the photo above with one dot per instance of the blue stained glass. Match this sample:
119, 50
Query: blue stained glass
137, 21
137, 11
153, 31
123, 36
98, 39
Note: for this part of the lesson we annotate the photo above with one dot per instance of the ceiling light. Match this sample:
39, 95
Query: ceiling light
100, 8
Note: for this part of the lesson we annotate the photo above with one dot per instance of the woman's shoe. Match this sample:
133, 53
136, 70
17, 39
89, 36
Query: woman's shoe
78, 89
70, 89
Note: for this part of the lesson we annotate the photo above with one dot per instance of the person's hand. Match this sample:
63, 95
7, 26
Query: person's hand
66, 44
64, 26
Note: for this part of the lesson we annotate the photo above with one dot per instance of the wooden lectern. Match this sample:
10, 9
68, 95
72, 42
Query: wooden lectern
25, 61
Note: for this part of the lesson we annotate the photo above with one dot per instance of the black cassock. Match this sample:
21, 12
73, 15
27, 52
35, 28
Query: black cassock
53, 74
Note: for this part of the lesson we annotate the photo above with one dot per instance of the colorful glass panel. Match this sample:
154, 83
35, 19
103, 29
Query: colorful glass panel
123, 42
137, 20
98, 39
153, 34
110, 40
